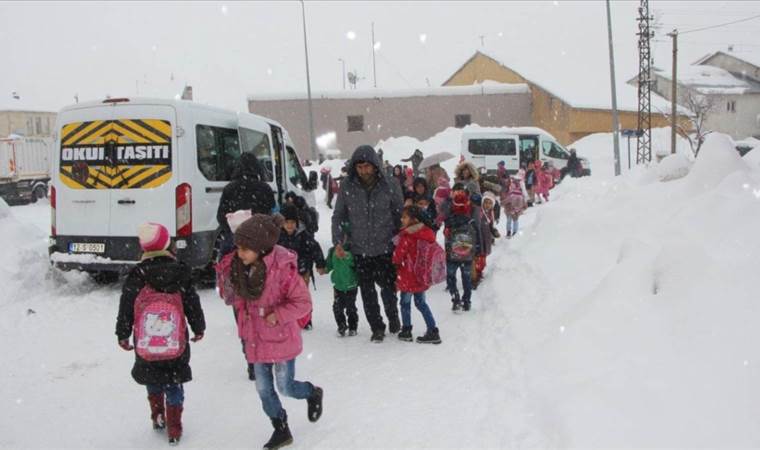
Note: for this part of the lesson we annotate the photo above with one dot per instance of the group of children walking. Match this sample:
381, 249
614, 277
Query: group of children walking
266, 277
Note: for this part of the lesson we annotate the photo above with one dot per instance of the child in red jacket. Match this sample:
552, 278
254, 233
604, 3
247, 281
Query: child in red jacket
413, 230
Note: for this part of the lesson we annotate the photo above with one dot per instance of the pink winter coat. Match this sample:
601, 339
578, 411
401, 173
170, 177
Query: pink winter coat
285, 294
441, 194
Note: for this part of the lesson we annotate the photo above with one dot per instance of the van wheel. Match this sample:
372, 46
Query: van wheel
105, 277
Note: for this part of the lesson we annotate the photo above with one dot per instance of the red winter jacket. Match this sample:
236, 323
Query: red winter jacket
405, 255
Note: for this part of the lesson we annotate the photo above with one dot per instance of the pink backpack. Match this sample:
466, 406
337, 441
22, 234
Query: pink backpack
430, 265
160, 328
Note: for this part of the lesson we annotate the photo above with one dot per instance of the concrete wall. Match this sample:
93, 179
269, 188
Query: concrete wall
25, 123
419, 117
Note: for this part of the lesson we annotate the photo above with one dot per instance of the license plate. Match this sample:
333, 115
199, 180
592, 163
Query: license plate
87, 247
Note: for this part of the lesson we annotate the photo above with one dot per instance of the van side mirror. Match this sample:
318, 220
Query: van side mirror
313, 180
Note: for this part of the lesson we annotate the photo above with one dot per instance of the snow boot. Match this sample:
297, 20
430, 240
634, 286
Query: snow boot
466, 306
281, 435
430, 337
352, 332
456, 303
406, 334
377, 336
157, 413
174, 423
314, 411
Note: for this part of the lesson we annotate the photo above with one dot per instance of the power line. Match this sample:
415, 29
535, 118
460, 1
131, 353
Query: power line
720, 25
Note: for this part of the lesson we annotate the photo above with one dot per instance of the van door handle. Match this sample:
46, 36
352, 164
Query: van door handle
214, 190
126, 201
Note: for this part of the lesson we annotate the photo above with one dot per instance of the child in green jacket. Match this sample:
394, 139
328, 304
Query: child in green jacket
345, 285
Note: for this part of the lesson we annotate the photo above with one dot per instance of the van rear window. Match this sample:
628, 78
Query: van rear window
498, 147
116, 154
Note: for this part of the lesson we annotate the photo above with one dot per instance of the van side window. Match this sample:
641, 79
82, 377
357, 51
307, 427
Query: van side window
528, 148
257, 143
295, 173
553, 150
218, 151
498, 147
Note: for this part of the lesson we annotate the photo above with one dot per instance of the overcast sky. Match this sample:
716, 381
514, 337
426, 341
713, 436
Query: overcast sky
227, 50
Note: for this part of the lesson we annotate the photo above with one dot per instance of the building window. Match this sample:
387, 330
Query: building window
355, 123
462, 120
731, 106
38, 125
29, 126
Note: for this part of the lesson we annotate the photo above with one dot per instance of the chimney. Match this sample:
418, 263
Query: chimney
187, 93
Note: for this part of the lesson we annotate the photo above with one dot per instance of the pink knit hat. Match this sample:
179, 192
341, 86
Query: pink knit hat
153, 237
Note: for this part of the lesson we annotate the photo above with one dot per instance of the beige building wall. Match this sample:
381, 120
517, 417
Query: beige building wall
566, 123
420, 117
27, 123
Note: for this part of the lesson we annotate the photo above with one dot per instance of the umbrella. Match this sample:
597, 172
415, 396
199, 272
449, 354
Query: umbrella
435, 158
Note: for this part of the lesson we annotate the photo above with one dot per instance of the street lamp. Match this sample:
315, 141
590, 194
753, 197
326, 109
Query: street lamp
312, 145
344, 72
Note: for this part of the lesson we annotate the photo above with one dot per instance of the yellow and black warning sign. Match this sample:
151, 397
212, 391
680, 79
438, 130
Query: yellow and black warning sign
116, 154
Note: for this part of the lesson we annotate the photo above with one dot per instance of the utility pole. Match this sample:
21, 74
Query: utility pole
615, 121
374, 68
674, 93
644, 82
308, 87
482, 40
343, 62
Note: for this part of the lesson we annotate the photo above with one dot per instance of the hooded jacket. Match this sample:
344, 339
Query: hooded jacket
405, 255
245, 191
285, 294
164, 274
372, 212
471, 184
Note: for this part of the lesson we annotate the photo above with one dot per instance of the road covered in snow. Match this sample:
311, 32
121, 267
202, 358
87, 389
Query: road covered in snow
624, 315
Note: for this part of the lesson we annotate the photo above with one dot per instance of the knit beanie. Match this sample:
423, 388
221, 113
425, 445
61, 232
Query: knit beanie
236, 218
289, 212
259, 233
153, 237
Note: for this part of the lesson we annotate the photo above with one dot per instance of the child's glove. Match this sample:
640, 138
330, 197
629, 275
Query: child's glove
197, 337
124, 344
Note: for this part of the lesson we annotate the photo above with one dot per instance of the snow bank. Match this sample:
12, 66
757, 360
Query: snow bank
632, 307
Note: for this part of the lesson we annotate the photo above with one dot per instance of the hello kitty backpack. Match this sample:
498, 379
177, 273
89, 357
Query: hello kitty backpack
160, 328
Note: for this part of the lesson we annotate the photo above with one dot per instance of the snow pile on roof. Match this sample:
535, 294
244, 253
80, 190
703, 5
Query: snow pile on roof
480, 89
628, 309
712, 80
748, 56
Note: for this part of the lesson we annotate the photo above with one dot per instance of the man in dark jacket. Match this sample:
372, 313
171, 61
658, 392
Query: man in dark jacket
371, 205
574, 168
245, 191
416, 160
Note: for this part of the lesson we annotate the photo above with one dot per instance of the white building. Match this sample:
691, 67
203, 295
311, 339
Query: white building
731, 83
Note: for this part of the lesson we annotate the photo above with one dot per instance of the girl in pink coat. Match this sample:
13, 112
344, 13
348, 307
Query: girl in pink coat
441, 194
261, 281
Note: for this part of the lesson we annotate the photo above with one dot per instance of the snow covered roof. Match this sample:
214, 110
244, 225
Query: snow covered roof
579, 82
712, 80
480, 89
748, 56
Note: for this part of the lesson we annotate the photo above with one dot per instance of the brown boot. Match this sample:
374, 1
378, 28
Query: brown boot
174, 423
157, 415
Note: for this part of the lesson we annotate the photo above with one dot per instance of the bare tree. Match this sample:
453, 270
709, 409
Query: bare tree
701, 106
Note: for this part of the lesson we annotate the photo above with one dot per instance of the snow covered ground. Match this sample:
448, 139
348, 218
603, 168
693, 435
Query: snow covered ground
624, 315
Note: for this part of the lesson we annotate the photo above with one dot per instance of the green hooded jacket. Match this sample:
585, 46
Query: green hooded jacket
342, 271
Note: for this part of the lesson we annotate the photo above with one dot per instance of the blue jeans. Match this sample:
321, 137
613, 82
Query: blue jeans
512, 225
420, 304
175, 393
286, 384
451, 279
